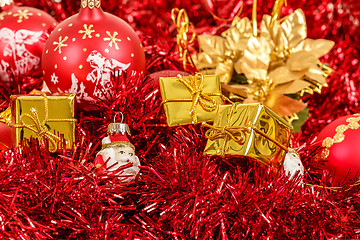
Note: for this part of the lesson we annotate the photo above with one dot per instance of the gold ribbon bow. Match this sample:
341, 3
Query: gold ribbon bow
235, 133
238, 134
227, 132
195, 86
40, 128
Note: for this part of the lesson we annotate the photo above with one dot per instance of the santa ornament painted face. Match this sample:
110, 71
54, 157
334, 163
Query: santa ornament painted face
118, 154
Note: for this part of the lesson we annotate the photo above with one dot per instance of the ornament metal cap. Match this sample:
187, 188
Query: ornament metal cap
91, 3
116, 128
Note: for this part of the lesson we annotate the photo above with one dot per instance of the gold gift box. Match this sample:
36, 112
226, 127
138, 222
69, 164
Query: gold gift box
28, 115
251, 130
178, 100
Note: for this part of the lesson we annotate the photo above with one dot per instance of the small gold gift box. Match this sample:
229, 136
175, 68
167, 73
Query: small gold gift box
47, 118
190, 99
251, 130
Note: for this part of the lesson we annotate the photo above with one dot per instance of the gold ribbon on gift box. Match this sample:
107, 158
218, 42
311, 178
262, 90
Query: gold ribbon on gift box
195, 86
39, 127
235, 133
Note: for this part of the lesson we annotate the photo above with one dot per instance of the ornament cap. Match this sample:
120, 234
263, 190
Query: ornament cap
116, 128
90, 4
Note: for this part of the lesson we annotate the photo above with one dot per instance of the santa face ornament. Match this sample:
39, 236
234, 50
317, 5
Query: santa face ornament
118, 154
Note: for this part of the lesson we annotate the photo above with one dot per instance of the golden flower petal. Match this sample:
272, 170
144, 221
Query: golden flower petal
283, 75
204, 61
213, 45
300, 61
318, 47
238, 34
256, 59
315, 73
294, 28
292, 87
225, 71
283, 105
267, 31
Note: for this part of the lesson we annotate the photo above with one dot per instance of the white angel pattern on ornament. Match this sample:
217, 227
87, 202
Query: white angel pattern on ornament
101, 74
16, 47
80, 94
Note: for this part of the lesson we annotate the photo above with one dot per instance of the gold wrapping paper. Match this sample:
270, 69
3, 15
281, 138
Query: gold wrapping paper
251, 130
47, 118
190, 99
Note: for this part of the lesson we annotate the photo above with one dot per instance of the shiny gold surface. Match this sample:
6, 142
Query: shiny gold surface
267, 135
40, 121
188, 100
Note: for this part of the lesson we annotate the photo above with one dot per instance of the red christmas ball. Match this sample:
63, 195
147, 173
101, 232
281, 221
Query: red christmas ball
83, 51
340, 140
5, 136
23, 33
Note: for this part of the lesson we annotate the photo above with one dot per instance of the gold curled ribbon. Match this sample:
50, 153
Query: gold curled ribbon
195, 86
236, 133
184, 28
40, 128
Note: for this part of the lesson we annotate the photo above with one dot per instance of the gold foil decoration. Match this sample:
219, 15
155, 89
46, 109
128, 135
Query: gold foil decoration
184, 28
277, 59
220, 55
91, 3
227, 132
190, 99
251, 130
37, 121
339, 136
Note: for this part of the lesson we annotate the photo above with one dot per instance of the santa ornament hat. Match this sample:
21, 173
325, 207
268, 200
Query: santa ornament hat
116, 140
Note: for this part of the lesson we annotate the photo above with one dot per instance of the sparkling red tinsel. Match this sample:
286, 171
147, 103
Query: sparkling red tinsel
180, 193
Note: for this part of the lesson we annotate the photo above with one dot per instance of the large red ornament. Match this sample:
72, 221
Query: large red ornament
83, 51
23, 33
340, 140
5, 136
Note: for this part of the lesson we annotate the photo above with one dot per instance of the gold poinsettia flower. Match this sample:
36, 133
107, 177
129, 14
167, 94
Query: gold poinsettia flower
293, 51
276, 60
270, 87
220, 54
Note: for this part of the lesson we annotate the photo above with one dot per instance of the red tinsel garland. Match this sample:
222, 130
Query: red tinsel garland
180, 193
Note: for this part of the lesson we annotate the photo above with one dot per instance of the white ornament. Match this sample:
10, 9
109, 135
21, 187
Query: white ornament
293, 165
